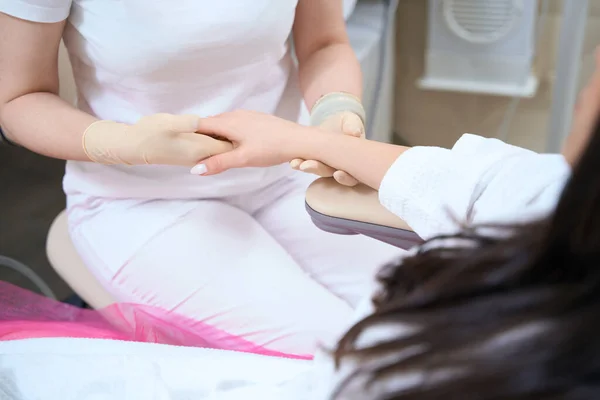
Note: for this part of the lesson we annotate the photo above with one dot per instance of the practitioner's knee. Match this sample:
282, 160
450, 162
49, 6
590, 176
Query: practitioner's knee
310, 332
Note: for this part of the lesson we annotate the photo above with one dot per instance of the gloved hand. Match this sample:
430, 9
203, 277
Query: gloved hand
156, 139
338, 112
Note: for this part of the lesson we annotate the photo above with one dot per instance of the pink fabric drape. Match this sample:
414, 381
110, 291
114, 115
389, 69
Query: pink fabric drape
24, 315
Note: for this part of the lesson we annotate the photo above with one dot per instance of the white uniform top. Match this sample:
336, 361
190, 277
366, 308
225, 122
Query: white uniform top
138, 57
496, 181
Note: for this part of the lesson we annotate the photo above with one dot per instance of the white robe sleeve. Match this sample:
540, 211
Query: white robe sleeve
478, 181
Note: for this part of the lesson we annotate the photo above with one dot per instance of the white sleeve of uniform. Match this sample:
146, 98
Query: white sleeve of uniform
46, 11
479, 180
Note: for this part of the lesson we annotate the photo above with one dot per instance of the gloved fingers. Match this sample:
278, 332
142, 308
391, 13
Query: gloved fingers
183, 123
346, 122
211, 145
171, 123
344, 178
317, 168
195, 147
295, 164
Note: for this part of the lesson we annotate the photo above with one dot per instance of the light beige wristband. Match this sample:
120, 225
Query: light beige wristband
334, 103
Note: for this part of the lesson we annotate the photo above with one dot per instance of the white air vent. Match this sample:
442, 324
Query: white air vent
481, 46
482, 21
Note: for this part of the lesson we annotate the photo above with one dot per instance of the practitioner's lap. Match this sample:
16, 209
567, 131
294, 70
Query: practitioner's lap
250, 270
219, 267
344, 264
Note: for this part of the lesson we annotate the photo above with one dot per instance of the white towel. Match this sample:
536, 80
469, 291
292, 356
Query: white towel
91, 369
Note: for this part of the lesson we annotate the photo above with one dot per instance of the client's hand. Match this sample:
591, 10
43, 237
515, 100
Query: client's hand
337, 112
156, 139
259, 140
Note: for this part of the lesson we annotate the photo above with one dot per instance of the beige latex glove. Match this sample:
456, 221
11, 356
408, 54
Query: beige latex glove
156, 139
337, 112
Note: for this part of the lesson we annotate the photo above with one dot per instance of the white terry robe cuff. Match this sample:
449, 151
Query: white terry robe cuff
434, 189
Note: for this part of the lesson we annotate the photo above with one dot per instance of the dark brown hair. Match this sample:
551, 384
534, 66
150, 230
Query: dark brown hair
538, 287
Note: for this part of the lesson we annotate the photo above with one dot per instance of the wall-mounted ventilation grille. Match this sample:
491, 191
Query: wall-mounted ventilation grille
481, 46
482, 21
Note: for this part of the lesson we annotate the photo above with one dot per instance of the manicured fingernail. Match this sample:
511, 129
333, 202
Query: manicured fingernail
199, 169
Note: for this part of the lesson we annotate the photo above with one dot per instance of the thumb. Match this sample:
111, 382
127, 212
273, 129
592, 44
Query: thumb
217, 164
352, 125
180, 123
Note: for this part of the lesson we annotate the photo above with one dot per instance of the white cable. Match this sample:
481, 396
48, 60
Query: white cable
511, 110
29, 274
574, 20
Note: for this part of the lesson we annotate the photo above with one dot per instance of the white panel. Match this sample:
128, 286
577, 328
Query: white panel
349, 6
482, 21
481, 46
365, 29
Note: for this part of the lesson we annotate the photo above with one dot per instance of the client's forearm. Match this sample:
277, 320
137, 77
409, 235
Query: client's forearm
366, 160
